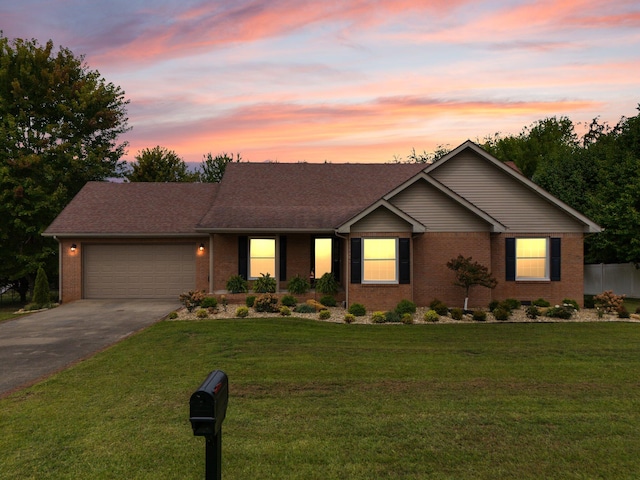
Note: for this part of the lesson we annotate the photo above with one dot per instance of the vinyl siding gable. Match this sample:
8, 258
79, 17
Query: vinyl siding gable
381, 220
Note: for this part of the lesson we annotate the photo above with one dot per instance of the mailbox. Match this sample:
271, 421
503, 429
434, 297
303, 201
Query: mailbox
208, 404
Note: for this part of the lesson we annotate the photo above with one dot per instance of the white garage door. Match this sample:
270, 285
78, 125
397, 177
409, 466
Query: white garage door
138, 271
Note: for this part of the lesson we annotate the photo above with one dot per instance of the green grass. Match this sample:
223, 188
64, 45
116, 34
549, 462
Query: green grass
631, 304
312, 400
7, 311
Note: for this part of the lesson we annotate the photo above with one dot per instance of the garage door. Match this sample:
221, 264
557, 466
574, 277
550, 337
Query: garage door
138, 271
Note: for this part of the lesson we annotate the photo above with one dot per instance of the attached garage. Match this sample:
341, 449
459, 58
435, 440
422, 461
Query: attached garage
138, 270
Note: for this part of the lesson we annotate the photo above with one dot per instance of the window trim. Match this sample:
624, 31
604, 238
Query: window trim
547, 258
250, 257
396, 259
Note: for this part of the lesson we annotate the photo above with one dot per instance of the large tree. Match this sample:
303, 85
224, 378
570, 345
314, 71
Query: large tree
159, 164
212, 168
59, 124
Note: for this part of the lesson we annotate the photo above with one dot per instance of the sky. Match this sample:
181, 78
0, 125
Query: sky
345, 81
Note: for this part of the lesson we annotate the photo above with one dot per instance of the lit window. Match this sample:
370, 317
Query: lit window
322, 263
532, 259
262, 257
379, 260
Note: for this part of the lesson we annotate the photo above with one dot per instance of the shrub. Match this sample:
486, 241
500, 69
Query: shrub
304, 308
532, 312
623, 313
431, 316
357, 309
540, 302
407, 318
264, 284
324, 315
242, 312
571, 302
493, 304
288, 301
237, 284
560, 311
328, 301
266, 303
378, 317
457, 313
316, 305
479, 315
608, 301
298, 285
327, 284
405, 306
589, 301
285, 311
349, 318
511, 304
41, 295
192, 299
209, 302
501, 313
250, 300
392, 317
439, 306
173, 315
638, 309
202, 313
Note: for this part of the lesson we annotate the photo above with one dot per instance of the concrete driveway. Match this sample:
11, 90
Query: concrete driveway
36, 345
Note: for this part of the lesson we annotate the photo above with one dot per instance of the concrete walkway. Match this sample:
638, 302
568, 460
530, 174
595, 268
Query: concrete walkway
36, 345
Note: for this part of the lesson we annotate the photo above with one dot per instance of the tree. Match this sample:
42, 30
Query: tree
41, 290
469, 273
159, 164
424, 157
212, 168
59, 124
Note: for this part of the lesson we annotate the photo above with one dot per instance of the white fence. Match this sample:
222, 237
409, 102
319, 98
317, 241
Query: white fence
622, 278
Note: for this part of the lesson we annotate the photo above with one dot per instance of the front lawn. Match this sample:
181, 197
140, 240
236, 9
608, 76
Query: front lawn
316, 400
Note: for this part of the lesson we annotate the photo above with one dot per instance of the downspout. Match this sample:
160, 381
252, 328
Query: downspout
59, 268
348, 265
211, 263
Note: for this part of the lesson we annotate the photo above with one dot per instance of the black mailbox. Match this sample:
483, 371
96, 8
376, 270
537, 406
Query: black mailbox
208, 404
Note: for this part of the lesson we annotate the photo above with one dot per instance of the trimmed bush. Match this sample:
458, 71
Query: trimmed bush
173, 315
405, 306
638, 309
357, 309
209, 302
250, 300
202, 313
289, 301
623, 313
327, 284
392, 317
237, 284
317, 305
324, 315
298, 285
242, 312
511, 304
266, 303
264, 284
349, 318
501, 313
304, 308
540, 302
407, 318
431, 316
285, 311
561, 311
573, 303
589, 301
457, 313
192, 299
532, 312
609, 302
328, 301
479, 315
378, 317
493, 304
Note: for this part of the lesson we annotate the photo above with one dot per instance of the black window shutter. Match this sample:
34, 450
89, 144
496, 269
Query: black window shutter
335, 258
312, 259
356, 260
404, 252
243, 256
555, 259
283, 257
510, 258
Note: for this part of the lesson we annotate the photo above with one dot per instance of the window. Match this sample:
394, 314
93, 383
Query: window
532, 259
322, 260
262, 257
379, 260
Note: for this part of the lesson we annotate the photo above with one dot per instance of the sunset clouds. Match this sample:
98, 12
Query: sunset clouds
350, 81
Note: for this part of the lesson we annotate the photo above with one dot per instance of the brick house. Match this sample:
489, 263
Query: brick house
385, 231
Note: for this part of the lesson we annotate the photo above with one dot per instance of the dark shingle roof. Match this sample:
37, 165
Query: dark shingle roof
135, 208
303, 196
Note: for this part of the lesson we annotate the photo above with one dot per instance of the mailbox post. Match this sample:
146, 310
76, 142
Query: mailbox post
208, 407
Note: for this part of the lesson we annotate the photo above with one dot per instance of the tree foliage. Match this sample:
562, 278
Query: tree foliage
212, 168
59, 124
469, 273
159, 164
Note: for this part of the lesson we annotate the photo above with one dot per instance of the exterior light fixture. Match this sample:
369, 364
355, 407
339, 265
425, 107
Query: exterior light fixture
201, 247
73, 248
